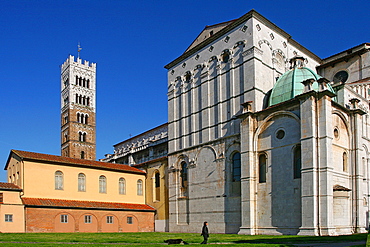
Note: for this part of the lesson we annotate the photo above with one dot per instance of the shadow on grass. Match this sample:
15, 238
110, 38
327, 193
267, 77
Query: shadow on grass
304, 239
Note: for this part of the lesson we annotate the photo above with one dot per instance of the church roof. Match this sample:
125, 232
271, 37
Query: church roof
47, 202
290, 84
9, 186
229, 26
25, 155
344, 55
338, 187
207, 32
144, 134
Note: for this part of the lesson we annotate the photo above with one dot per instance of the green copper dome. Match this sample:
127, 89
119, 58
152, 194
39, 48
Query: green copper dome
290, 84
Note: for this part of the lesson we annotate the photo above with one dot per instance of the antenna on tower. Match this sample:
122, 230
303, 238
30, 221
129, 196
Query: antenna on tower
79, 49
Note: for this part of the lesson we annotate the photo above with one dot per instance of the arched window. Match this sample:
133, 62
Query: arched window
122, 186
78, 118
187, 76
262, 168
345, 162
86, 119
81, 182
76, 80
297, 162
363, 171
157, 183
236, 167
157, 180
88, 83
82, 137
59, 180
102, 184
184, 179
139, 187
82, 155
225, 57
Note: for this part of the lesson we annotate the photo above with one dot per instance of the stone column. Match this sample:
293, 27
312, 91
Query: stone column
309, 176
131, 160
171, 116
248, 173
317, 167
172, 172
325, 161
358, 222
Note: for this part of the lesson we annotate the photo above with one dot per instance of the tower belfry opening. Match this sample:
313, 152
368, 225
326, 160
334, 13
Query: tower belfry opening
78, 108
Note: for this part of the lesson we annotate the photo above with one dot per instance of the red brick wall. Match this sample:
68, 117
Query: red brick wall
48, 220
73, 127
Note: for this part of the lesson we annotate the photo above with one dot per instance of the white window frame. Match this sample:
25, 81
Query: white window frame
139, 187
59, 180
81, 182
8, 218
64, 218
109, 219
122, 186
102, 184
88, 219
130, 220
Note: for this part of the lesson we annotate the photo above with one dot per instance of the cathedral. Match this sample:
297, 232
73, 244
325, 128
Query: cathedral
265, 137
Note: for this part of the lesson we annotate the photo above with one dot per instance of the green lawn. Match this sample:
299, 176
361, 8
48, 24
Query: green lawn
157, 239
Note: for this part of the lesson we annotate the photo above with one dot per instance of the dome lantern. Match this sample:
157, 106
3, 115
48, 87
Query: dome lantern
290, 84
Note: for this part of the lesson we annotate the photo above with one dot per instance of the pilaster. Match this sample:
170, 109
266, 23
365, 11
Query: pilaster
248, 173
356, 161
309, 176
325, 174
317, 167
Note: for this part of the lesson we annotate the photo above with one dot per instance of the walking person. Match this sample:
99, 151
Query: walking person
205, 233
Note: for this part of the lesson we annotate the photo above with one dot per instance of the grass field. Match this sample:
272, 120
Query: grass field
157, 239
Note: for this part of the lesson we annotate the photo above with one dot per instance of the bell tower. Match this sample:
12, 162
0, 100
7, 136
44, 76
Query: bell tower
78, 107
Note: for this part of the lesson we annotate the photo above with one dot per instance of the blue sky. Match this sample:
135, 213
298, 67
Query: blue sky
130, 41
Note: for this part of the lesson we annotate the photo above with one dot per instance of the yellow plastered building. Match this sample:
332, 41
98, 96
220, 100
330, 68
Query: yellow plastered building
63, 194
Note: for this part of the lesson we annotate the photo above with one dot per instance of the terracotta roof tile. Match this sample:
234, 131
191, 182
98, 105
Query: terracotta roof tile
46, 202
9, 186
76, 162
338, 187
